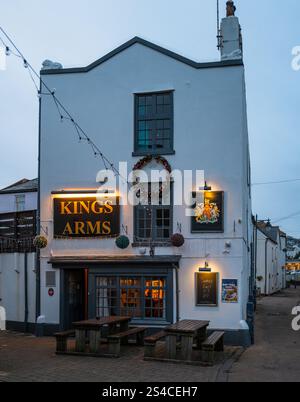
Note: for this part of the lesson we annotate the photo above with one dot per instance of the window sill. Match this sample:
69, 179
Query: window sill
154, 244
140, 153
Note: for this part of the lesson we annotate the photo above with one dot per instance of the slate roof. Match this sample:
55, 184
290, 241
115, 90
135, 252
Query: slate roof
268, 230
22, 186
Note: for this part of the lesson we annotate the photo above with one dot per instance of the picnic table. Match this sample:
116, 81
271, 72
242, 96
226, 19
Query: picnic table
186, 331
93, 329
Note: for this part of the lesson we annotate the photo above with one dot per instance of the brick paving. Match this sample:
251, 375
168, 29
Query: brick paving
25, 358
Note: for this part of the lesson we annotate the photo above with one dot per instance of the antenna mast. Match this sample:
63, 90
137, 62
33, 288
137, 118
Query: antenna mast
219, 36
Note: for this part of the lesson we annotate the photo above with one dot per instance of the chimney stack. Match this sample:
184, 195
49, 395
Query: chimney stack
231, 37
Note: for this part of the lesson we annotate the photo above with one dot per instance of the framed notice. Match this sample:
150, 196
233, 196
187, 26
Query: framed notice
207, 285
230, 291
86, 217
208, 212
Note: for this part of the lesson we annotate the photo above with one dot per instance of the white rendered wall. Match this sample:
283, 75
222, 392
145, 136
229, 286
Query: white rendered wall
12, 286
210, 133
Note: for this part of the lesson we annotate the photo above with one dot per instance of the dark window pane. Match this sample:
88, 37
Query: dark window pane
153, 132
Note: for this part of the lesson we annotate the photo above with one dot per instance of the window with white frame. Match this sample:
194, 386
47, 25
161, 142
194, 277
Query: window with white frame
20, 202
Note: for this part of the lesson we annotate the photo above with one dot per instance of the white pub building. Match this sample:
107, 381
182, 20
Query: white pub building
152, 108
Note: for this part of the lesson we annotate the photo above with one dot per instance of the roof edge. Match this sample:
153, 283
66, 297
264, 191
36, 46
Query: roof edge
135, 40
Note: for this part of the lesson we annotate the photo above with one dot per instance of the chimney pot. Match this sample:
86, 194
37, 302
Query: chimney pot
230, 9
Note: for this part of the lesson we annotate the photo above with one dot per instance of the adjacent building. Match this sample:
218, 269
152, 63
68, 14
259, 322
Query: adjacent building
18, 206
270, 258
154, 109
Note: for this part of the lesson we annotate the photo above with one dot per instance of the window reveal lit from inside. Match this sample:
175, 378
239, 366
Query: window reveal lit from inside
139, 297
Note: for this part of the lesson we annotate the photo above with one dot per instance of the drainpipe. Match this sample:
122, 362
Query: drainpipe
26, 291
266, 265
38, 220
177, 291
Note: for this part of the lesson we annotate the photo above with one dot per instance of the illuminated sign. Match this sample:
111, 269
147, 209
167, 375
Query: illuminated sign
92, 216
208, 212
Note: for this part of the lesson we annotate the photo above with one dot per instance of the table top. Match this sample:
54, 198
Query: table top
187, 326
100, 322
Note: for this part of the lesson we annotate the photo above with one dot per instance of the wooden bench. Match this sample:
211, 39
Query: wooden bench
214, 343
114, 341
150, 343
62, 340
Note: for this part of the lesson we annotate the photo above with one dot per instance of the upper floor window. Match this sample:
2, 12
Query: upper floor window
20, 202
154, 123
153, 223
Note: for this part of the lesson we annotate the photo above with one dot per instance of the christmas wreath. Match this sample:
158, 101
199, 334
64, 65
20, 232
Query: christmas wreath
147, 159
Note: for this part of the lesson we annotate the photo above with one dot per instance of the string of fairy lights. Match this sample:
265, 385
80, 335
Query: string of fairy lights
11, 49
63, 112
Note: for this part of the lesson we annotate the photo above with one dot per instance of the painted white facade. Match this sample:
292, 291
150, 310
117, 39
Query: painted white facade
210, 134
12, 270
271, 260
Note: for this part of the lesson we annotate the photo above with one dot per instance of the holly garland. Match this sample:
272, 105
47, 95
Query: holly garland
159, 159
147, 159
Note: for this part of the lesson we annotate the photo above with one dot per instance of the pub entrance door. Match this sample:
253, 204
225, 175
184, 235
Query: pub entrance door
75, 305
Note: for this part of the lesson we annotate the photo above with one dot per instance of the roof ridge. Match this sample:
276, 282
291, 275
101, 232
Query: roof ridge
151, 45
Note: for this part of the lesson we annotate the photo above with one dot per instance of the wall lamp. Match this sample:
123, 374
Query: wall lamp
206, 187
206, 268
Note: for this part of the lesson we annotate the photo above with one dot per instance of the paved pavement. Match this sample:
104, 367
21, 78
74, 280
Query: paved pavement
275, 357
276, 354
30, 359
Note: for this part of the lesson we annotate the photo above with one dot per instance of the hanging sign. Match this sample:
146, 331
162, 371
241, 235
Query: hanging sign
84, 217
207, 289
208, 212
51, 292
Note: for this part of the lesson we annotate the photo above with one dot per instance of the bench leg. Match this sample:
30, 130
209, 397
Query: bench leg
114, 347
220, 345
94, 341
124, 340
186, 347
201, 336
149, 350
80, 341
171, 346
140, 338
208, 356
61, 344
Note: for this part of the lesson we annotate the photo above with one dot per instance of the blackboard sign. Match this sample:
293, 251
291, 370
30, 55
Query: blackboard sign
93, 216
208, 212
207, 289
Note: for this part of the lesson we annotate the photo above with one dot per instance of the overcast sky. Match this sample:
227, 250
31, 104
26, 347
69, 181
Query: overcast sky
77, 32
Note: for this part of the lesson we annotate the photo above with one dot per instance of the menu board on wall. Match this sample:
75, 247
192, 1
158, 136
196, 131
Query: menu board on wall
207, 289
208, 212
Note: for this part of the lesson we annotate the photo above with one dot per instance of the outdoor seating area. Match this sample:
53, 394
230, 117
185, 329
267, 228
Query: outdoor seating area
186, 341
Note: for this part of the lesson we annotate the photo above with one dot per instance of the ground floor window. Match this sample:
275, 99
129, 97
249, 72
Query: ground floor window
138, 297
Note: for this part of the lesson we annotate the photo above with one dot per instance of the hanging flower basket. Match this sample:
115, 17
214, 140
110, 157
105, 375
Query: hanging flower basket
40, 242
122, 242
177, 240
